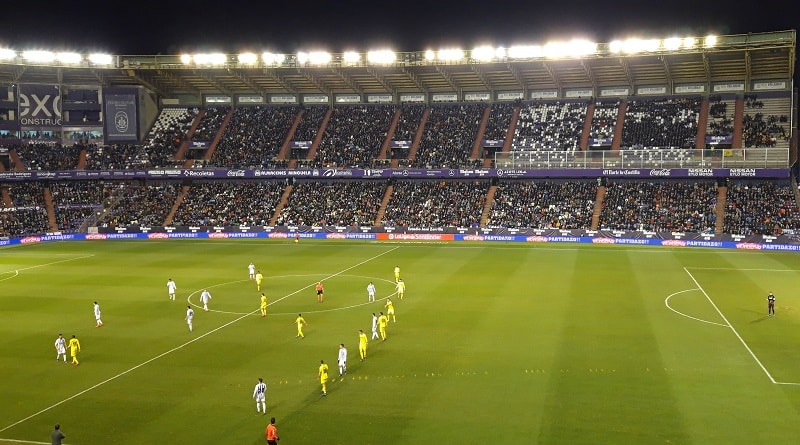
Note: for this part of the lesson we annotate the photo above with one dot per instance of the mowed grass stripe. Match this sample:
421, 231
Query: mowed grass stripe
481, 340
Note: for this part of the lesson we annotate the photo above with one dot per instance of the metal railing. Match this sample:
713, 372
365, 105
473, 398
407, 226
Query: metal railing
649, 158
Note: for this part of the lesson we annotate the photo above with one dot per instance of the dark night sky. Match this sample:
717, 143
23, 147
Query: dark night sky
172, 27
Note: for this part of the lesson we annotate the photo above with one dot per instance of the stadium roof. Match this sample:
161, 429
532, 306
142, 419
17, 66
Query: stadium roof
763, 56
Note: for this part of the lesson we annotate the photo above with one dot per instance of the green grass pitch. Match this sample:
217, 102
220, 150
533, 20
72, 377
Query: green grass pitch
494, 343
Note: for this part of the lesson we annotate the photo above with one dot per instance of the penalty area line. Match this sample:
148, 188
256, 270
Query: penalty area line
728, 323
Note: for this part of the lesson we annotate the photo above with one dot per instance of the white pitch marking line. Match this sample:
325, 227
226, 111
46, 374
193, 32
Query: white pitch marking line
750, 351
666, 302
16, 273
188, 299
745, 270
178, 347
50, 264
24, 441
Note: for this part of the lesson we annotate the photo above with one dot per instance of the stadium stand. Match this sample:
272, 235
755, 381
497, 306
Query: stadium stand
352, 203
543, 204
550, 126
353, 136
436, 204
254, 137
450, 133
229, 204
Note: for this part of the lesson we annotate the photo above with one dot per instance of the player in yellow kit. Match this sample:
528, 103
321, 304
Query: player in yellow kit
382, 322
362, 344
390, 310
396, 274
263, 305
323, 377
300, 323
74, 348
259, 279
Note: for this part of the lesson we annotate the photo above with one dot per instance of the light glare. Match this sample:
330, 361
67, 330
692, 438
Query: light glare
7, 54
382, 57
38, 56
100, 59
248, 58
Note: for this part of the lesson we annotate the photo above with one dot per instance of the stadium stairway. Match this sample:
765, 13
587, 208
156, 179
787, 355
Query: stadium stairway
617, 141
587, 126
719, 210
312, 152
81, 160
389, 135
181, 153
178, 202
218, 137
702, 124
284, 153
509, 141
412, 153
279, 208
384, 202
598, 206
487, 207
16, 160
738, 123
7, 201
477, 147
48, 205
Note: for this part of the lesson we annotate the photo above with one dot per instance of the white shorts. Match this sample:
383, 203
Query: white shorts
61, 350
342, 363
260, 397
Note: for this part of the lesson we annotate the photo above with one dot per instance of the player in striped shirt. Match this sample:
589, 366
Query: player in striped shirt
259, 394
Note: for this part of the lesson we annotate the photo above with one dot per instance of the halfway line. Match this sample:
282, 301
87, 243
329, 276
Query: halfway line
179, 347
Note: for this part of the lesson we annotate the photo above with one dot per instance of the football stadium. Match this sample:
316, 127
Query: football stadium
569, 242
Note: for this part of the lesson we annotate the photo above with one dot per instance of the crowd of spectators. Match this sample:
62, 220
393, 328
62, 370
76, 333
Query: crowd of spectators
761, 207
543, 204
660, 206
75, 201
450, 133
351, 203
720, 122
310, 122
550, 125
145, 205
604, 120
210, 123
48, 156
254, 136
434, 204
762, 129
354, 136
661, 123
229, 204
27, 214
167, 135
406, 129
116, 156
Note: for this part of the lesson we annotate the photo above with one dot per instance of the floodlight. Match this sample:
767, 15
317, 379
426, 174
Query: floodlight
247, 58
616, 46
525, 51
580, 47
483, 53
689, 42
430, 55
382, 57
38, 56
66, 57
351, 57
451, 54
101, 59
500, 53
710, 41
7, 54
274, 58
210, 59
319, 57
573, 48
186, 59
672, 43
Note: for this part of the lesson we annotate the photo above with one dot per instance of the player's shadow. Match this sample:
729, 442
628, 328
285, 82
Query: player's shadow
759, 320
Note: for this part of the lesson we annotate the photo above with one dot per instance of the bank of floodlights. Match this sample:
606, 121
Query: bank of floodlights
351, 57
247, 58
69, 58
381, 57
7, 54
314, 57
487, 53
273, 58
38, 56
100, 59
635, 46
